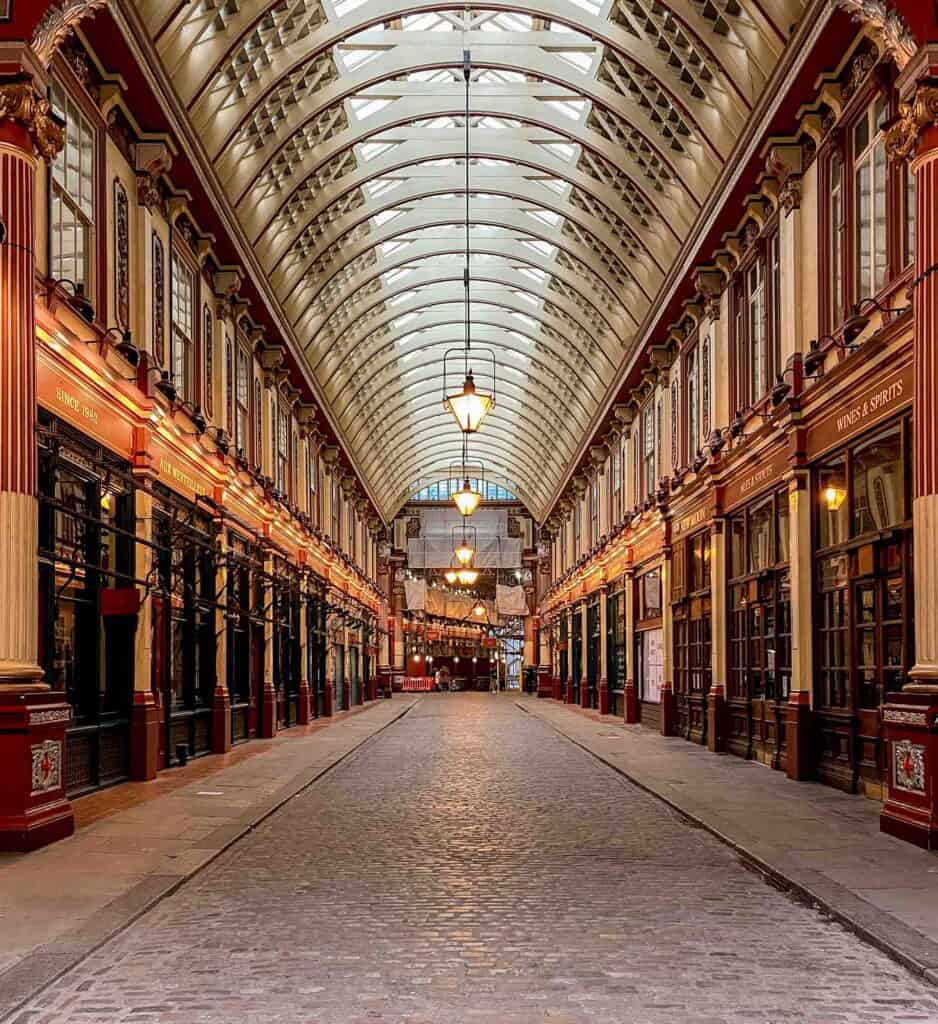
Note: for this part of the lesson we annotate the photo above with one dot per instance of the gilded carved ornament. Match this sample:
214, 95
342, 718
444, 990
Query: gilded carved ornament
903, 135
886, 26
20, 102
58, 20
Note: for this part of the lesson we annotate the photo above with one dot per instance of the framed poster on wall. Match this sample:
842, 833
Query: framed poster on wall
652, 652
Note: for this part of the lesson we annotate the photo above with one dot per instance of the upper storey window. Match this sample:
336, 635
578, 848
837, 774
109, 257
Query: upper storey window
868, 216
757, 320
183, 336
870, 193
72, 212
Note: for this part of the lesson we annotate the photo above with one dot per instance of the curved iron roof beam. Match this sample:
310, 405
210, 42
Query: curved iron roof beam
486, 327
489, 249
417, 292
258, 195
658, 240
516, 190
217, 126
487, 215
390, 432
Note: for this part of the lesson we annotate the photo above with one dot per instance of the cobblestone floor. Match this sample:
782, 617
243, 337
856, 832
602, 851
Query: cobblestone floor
471, 865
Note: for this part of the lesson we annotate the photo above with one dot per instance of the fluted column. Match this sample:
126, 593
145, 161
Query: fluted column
33, 806
911, 716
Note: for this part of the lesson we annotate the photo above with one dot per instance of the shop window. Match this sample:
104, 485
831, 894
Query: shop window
182, 315
833, 515
650, 594
760, 601
878, 485
72, 196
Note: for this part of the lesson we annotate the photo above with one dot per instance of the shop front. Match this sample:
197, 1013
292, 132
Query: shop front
286, 636
575, 682
593, 653
316, 647
692, 625
759, 613
616, 659
183, 624
88, 598
649, 645
245, 634
563, 652
862, 560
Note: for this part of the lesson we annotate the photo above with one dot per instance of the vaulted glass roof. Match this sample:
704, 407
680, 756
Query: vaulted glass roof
337, 133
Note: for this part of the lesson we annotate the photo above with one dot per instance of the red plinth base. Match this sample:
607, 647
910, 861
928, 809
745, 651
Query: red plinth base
716, 719
221, 720
603, 697
302, 707
384, 680
361, 695
544, 683
268, 711
584, 694
798, 736
555, 687
372, 688
630, 701
346, 695
911, 808
34, 810
144, 736
328, 701
568, 692
668, 711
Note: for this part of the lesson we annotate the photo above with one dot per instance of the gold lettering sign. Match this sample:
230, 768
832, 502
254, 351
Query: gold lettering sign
76, 405
862, 410
755, 480
687, 523
172, 471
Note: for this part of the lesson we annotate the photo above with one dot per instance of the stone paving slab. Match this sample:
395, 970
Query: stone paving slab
823, 844
472, 865
60, 903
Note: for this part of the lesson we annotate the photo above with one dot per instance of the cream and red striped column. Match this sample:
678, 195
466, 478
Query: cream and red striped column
910, 717
34, 809
26, 129
915, 137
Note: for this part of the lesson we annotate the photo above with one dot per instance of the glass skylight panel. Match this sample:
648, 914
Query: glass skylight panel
532, 300
549, 217
364, 106
383, 216
569, 108
579, 59
544, 248
354, 58
343, 7
401, 320
525, 319
431, 21
372, 150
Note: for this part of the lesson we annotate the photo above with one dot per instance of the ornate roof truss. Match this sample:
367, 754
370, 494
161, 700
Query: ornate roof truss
337, 132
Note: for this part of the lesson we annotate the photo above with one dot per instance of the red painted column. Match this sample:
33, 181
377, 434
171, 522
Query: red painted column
33, 807
910, 717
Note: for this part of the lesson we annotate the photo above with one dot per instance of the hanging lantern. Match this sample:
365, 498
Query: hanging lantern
464, 553
468, 577
467, 500
451, 576
469, 407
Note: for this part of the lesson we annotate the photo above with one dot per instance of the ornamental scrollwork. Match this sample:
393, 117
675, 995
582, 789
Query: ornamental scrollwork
20, 102
58, 20
902, 136
888, 27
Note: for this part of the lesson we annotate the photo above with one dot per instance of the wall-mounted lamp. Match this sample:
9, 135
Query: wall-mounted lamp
77, 300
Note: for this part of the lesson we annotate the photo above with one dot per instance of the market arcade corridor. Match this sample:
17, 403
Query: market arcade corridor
470, 864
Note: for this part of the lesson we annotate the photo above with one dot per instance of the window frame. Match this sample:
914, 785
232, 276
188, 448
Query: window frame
187, 388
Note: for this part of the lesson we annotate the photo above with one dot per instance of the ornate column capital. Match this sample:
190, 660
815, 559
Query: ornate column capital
915, 117
22, 103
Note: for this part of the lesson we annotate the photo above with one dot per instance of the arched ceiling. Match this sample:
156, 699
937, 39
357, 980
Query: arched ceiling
337, 132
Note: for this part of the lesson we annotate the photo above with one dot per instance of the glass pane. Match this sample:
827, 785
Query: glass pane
783, 535
879, 210
863, 229
760, 536
832, 494
878, 485
737, 547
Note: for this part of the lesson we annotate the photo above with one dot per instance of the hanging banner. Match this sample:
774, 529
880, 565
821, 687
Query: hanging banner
511, 600
416, 593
